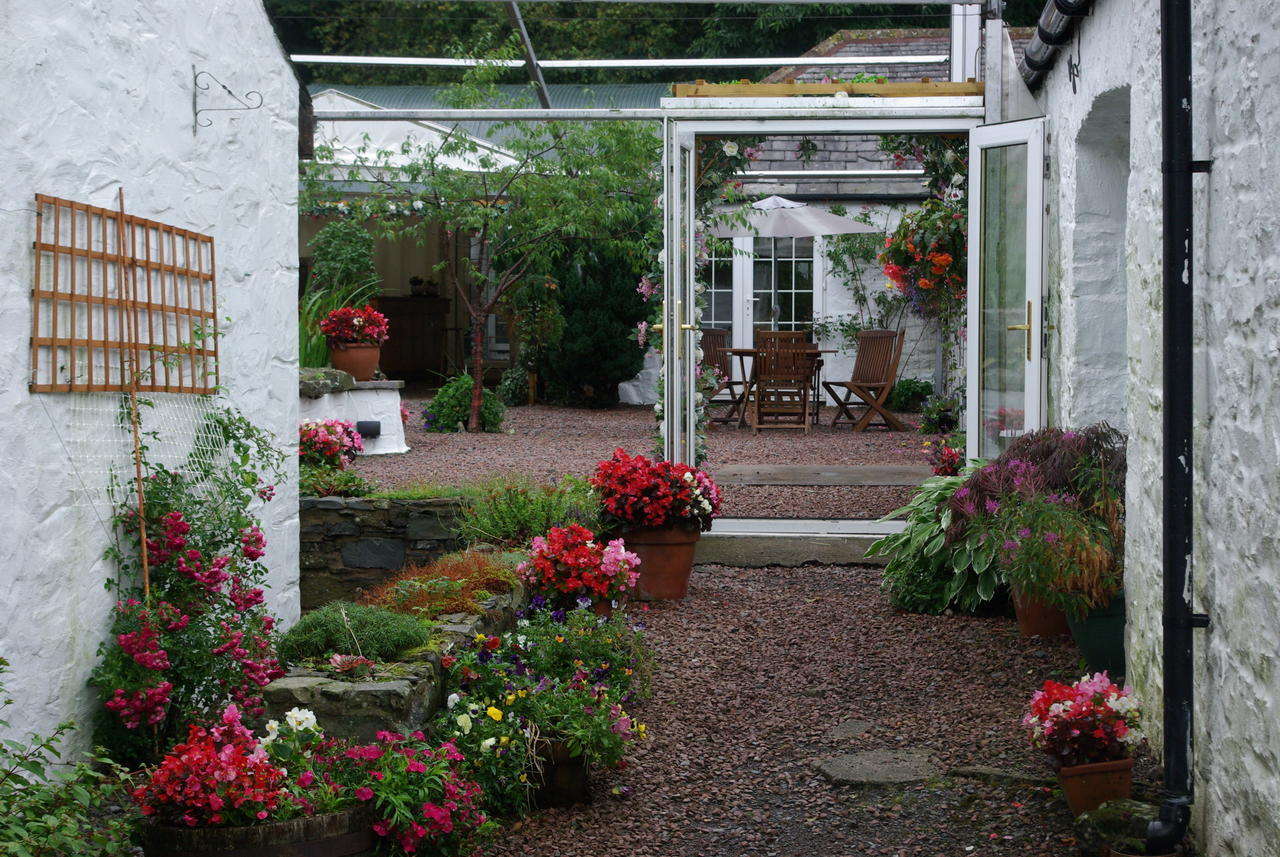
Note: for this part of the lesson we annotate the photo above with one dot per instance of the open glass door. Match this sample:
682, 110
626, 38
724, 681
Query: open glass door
1006, 264
679, 310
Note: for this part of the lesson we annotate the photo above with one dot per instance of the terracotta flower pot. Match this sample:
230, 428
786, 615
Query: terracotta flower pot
1088, 787
334, 834
1038, 619
666, 560
360, 359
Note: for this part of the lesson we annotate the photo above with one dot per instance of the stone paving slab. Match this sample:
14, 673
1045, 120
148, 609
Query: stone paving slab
788, 552
878, 767
822, 474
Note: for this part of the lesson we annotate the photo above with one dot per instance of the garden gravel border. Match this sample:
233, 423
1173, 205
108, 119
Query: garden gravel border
757, 667
545, 443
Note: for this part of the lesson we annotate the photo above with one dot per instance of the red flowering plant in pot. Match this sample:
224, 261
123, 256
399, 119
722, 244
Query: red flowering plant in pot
661, 509
225, 790
328, 443
355, 339
571, 565
1088, 731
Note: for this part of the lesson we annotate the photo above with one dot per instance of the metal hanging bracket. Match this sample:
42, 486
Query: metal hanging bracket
201, 81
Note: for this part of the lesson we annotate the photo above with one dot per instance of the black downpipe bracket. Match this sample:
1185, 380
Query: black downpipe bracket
1175, 62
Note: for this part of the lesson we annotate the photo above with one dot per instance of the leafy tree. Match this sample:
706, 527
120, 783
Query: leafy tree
555, 188
582, 30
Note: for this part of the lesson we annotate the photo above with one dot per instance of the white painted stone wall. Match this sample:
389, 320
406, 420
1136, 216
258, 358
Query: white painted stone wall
97, 96
1237, 554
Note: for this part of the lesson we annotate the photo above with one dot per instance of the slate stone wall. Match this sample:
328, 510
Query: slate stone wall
349, 544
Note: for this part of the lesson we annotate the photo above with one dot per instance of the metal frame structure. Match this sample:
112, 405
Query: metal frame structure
729, 118
684, 120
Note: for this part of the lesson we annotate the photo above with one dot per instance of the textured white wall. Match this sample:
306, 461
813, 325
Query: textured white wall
95, 97
1237, 553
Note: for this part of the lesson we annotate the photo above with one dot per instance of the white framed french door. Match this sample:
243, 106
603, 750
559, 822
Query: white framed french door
1005, 391
721, 118
679, 325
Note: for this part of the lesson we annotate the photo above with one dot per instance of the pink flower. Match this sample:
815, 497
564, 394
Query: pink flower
364, 793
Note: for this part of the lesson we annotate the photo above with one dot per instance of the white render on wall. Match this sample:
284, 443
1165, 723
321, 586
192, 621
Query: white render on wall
98, 97
1236, 563
373, 404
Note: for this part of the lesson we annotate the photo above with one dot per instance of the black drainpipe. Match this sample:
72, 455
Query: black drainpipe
1054, 29
1179, 620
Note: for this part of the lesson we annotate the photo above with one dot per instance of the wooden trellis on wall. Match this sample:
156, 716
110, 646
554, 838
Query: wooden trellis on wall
120, 303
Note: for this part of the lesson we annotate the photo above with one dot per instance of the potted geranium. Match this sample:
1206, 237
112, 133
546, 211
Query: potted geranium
296, 792
661, 509
219, 791
1088, 731
355, 337
570, 564
328, 443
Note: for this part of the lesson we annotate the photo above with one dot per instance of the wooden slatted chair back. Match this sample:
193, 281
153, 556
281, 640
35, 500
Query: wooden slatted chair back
878, 354
715, 344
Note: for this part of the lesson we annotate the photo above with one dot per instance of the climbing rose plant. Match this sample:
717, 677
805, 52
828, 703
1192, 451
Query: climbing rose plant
202, 637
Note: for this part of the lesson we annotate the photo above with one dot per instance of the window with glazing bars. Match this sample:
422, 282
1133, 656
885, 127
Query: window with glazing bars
120, 303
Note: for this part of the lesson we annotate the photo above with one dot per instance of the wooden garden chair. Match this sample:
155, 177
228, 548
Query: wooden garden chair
781, 391
715, 344
875, 369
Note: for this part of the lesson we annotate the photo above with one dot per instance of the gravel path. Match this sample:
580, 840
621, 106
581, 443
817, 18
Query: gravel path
546, 442
756, 667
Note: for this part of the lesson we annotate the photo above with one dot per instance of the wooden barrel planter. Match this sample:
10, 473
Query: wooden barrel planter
562, 779
333, 834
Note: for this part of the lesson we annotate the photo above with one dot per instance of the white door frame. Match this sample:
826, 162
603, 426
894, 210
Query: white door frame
1031, 133
689, 118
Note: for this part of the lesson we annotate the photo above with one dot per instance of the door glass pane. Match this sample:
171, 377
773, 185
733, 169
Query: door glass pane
782, 283
719, 310
1002, 377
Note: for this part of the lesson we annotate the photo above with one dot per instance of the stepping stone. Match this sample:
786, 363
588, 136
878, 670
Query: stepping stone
849, 730
878, 767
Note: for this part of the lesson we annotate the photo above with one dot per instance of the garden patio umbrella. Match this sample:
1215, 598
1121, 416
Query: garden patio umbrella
775, 217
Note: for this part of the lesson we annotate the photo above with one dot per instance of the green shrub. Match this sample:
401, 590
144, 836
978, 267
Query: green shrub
316, 481
598, 349
513, 389
449, 410
940, 415
352, 629
909, 394
43, 814
925, 574
510, 512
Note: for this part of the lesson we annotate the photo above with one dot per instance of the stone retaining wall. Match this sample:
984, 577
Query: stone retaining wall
405, 697
355, 543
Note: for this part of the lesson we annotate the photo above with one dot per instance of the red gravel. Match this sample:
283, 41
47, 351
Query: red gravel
546, 442
750, 683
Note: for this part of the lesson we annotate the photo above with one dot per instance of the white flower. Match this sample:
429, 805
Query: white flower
452, 701
464, 723
487, 744
730, 148
300, 719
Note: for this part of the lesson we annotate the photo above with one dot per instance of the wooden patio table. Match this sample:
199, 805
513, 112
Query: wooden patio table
739, 404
